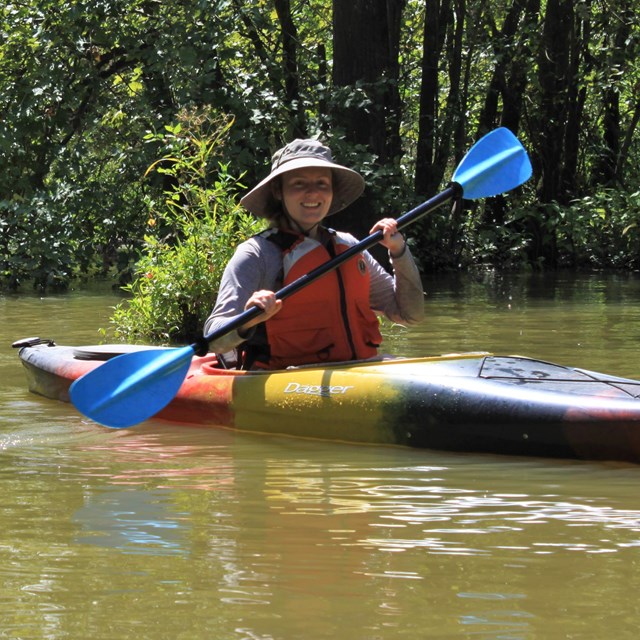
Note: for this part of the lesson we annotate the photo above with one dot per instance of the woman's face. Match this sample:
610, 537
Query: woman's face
307, 194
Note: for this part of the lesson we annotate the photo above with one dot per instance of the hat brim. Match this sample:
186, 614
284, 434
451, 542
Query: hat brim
348, 186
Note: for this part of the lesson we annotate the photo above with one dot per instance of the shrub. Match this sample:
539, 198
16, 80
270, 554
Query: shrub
602, 230
192, 233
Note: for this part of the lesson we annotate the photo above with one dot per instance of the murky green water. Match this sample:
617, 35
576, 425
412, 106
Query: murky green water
162, 531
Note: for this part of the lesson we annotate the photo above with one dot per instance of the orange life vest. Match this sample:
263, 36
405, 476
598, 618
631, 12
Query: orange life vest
329, 320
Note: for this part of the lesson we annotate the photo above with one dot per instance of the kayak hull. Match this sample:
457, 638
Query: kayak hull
460, 402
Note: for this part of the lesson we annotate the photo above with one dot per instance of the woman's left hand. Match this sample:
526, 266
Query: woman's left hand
392, 239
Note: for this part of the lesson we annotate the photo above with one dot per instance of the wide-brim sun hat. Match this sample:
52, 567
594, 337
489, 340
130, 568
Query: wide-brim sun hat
348, 184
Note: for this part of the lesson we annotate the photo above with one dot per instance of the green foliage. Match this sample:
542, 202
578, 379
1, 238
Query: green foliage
83, 83
602, 230
35, 246
595, 232
192, 232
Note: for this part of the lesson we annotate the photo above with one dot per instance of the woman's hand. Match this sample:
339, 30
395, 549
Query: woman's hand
392, 239
265, 300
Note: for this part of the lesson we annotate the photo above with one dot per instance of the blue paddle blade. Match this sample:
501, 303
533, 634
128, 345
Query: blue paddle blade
495, 164
132, 387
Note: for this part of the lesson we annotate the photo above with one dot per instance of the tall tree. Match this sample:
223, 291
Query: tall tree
556, 80
512, 55
443, 91
512, 64
290, 64
365, 63
608, 170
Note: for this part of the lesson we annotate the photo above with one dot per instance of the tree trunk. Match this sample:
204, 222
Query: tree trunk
290, 62
607, 171
557, 81
513, 63
507, 87
554, 64
628, 137
429, 173
365, 58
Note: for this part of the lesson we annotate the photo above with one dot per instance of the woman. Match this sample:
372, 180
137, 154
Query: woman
334, 318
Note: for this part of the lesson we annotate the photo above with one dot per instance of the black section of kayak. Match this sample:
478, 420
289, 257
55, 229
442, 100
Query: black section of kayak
520, 406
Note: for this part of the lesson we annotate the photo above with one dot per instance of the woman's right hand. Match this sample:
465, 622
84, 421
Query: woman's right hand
265, 300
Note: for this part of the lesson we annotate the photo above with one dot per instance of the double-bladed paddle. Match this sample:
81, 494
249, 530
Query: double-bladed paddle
133, 387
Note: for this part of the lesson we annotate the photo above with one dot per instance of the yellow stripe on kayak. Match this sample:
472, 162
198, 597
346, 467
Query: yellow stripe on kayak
336, 404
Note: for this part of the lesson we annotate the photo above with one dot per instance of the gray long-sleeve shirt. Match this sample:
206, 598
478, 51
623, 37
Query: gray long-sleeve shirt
257, 264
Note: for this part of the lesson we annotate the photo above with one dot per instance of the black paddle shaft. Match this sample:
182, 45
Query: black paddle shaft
454, 190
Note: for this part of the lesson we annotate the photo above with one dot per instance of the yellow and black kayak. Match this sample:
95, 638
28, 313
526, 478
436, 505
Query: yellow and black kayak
476, 402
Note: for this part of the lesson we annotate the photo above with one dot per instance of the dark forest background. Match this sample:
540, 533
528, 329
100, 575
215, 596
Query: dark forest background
116, 117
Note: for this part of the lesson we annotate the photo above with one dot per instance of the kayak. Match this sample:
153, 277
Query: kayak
472, 402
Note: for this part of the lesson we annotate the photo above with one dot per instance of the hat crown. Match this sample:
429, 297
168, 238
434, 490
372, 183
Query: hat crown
298, 149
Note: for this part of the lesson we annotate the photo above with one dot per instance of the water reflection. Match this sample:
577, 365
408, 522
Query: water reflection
133, 521
128, 516
425, 511
391, 540
157, 452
